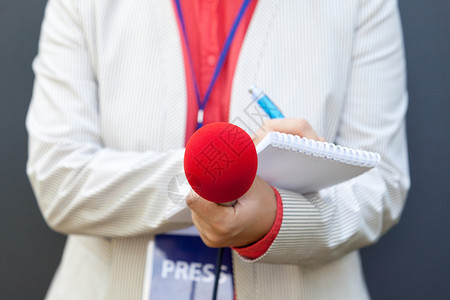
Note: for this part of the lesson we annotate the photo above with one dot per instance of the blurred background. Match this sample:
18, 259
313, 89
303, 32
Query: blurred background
412, 261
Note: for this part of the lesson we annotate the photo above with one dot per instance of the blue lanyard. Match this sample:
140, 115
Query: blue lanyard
201, 103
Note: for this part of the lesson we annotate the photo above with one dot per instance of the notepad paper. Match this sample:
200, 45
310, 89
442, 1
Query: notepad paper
302, 165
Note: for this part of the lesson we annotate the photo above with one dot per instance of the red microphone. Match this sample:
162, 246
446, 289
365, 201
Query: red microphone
220, 162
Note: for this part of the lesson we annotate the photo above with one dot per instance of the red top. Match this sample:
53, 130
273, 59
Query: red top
207, 25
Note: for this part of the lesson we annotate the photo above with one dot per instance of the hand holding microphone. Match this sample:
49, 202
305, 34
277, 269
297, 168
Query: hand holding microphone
220, 164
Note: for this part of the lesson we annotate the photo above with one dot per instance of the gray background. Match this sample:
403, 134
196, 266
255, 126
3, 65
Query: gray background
411, 262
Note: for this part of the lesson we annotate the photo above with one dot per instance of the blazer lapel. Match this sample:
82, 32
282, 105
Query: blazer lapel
176, 94
248, 63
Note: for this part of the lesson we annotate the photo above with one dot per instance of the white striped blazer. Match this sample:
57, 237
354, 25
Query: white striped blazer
107, 125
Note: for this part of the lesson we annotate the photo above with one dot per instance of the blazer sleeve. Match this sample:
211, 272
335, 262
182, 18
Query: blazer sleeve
83, 187
323, 226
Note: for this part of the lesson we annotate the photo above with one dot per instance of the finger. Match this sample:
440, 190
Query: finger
261, 133
205, 209
214, 233
299, 127
203, 229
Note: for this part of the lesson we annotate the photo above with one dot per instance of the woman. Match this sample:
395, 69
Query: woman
112, 108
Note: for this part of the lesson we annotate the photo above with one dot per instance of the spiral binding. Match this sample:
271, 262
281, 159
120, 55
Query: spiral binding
325, 150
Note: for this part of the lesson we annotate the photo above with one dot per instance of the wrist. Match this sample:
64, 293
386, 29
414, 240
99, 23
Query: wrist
261, 246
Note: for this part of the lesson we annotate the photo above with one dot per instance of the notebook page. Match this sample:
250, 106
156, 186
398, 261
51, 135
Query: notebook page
303, 172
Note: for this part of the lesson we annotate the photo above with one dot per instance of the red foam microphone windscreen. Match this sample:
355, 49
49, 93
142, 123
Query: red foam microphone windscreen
220, 162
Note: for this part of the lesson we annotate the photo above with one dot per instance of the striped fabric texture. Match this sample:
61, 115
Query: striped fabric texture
107, 124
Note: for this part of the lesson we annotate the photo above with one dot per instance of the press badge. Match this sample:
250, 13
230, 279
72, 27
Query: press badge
183, 267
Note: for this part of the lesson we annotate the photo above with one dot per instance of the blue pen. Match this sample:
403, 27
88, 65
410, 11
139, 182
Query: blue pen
266, 104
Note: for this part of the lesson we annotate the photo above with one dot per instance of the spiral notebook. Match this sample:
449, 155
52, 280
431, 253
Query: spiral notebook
302, 165
299, 164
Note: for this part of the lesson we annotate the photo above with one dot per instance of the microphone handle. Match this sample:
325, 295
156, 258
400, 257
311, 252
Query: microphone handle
219, 259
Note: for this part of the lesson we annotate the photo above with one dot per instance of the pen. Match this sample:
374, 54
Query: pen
266, 104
